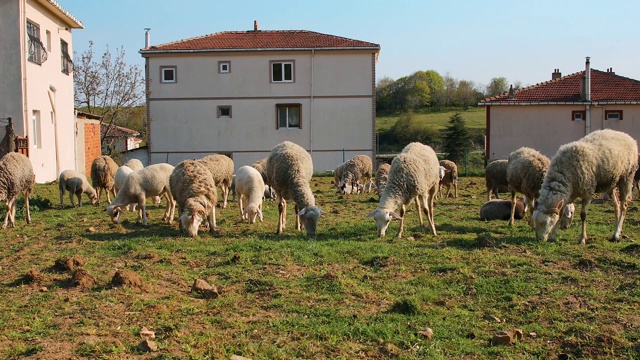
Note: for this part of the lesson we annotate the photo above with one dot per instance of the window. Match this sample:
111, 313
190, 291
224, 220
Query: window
578, 115
168, 74
224, 111
48, 40
224, 67
613, 114
282, 71
37, 52
65, 59
37, 139
288, 115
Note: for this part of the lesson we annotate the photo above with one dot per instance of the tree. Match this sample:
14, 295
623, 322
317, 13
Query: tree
108, 87
466, 94
457, 140
497, 86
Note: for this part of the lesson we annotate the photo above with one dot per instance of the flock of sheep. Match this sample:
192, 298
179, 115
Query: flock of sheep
604, 161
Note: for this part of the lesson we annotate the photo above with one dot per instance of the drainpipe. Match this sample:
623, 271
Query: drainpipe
313, 53
52, 99
587, 96
25, 104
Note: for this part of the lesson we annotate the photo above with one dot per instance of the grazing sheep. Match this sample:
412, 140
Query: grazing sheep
413, 176
261, 166
16, 177
496, 178
357, 171
194, 190
250, 186
121, 177
289, 169
103, 172
450, 178
221, 167
497, 209
269, 194
525, 170
603, 161
382, 176
337, 175
76, 184
134, 164
150, 181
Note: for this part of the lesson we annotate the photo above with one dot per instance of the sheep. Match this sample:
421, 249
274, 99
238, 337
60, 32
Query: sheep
103, 171
497, 209
450, 178
261, 166
496, 178
337, 175
602, 161
269, 194
221, 167
636, 179
525, 170
16, 177
134, 164
382, 176
76, 184
289, 169
250, 186
121, 176
357, 170
150, 181
195, 193
413, 176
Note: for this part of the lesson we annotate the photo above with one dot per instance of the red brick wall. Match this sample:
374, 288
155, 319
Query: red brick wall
92, 148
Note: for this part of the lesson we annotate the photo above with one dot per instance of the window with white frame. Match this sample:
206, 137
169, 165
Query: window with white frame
288, 116
578, 115
168, 74
224, 111
282, 71
224, 67
37, 132
613, 114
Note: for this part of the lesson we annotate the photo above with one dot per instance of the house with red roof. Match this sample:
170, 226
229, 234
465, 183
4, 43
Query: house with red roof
564, 109
240, 93
119, 138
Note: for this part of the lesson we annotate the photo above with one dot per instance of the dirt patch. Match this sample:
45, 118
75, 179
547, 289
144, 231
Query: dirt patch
68, 264
81, 278
126, 277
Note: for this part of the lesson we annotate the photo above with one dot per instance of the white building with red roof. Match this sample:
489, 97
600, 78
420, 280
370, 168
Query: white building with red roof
241, 93
566, 108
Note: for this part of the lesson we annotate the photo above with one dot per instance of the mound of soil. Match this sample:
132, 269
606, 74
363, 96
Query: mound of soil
83, 279
126, 277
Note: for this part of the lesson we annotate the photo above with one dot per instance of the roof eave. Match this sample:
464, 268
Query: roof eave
57, 9
524, 103
185, 51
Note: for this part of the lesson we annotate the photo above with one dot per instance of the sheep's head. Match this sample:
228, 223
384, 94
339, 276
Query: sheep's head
383, 219
545, 220
567, 216
251, 212
93, 196
309, 217
114, 212
192, 216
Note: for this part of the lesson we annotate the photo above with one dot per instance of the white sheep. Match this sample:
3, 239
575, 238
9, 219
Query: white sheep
221, 167
249, 187
194, 191
449, 178
134, 164
289, 169
76, 184
357, 171
103, 171
148, 182
496, 177
16, 177
601, 161
525, 170
120, 178
382, 176
413, 176
337, 175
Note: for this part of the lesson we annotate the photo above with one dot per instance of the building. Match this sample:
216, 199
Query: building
564, 109
240, 93
119, 138
36, 90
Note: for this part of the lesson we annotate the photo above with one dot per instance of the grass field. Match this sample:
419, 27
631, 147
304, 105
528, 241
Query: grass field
344, 295
475, 118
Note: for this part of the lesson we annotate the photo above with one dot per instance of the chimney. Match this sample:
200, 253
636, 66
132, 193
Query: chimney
147, 37
255, 25
511, 92
556, 74
587, 80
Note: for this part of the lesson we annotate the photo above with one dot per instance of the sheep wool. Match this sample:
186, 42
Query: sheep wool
525, 170
103, 172
289, 169
601, 161
497, 209
221, 167
16, 177
261, 166
134, 164
496, 177
382, 176
76, 184
413, 176
194, 190
450, 178
250, 188
357, 171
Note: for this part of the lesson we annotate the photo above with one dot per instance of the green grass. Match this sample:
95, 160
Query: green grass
474, 118
344, 295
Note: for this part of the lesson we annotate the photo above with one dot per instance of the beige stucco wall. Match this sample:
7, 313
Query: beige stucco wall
547, 127
10, 63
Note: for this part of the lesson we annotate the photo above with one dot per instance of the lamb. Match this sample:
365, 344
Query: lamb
250, 186
221, 167
194, 190
496, 177
413, 176
76, 184
121, 177
337, 175
134, 164
382, 176
150, 181
357, 170
103, 171
289, 169
497, 209
525, 170
16, 177
602, 161
450, 178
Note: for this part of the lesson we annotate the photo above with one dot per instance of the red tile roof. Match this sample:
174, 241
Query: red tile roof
118, 131
605, 87
263, 40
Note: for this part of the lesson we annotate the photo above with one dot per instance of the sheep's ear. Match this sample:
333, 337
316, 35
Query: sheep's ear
302, 212
371, 214
394, 216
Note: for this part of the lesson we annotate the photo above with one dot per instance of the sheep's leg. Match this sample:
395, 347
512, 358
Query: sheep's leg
99, 191
73, 201
489, 191
282, 208
26, 206
12, 217
513, 208
242, 214
418, 209
625, 189
455, 189
297, 210
171, 207
402, 211
225, 194
583, 218
107, 191
142, 205
61, 198
6, 216
432, 222
212, 219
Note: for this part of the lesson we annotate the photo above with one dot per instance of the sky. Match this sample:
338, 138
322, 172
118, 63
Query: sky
474, 40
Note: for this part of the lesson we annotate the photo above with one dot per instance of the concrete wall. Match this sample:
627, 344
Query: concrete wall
11, 51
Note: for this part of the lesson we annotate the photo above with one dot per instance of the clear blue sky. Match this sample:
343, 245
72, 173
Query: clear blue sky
471, 40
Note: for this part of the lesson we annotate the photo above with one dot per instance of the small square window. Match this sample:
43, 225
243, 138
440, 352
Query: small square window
224, 111
224, 67
168, 74
613, 114
288, 116
579, 115
282, 71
